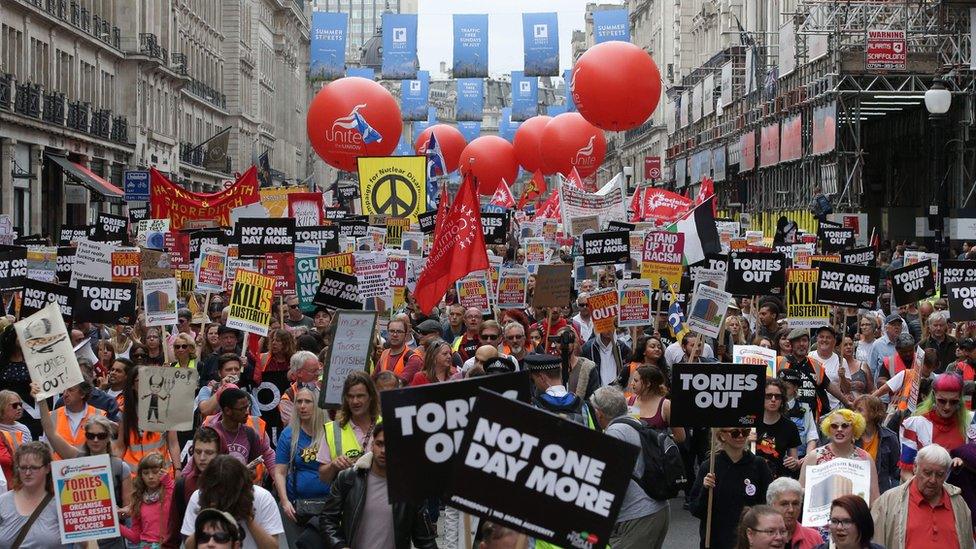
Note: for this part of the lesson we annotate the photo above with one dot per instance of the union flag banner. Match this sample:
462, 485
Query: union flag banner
168, 201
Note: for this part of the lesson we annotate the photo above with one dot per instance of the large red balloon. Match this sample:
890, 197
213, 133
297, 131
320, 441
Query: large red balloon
490, 159
449, 139
526, 142
353, 117
616, 85
569, 141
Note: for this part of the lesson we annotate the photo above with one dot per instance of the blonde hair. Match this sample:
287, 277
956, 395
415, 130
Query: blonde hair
185, 338
6, 397
855, 419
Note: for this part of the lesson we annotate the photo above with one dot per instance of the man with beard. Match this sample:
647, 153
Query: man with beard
514, 344
814, 385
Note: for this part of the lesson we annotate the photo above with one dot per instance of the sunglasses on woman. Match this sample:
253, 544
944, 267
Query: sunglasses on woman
737, 433
218, 537
96, 436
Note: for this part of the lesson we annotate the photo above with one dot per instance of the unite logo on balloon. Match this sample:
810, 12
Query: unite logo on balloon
354, 132
584, 156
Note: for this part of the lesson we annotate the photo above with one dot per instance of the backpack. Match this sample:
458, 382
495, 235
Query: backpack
664, 472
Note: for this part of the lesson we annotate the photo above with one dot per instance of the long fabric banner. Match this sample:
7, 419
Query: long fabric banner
470, 46
327, 51
470, 99
525, 96
414, 95
168, 201
399, 46
541, 40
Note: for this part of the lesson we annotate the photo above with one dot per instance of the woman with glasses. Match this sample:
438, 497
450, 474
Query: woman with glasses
842, 427
133, 444
15, 376
29, 512
11, 437
106, 356
185, 350
154, 348
762, 527
438, 364
740, 480
940, 419
851, 525
867, 330
777, 437
138, 354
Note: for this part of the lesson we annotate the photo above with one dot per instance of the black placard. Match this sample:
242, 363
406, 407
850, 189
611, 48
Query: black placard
13, 268
962, 300
73, 233
620, 226
847, 284
513, 458
912, 283
333, 213
338, 291
206, 236
138, 214
717, 395
325, 237
606, 248
32, 240
956, 271
111, 228
714, 262
495, 226
353, 226
66, 262
257, 236
835, 239
426, 221
105, 302
347, 193
751, 273
866, 256
425, 427
37, 294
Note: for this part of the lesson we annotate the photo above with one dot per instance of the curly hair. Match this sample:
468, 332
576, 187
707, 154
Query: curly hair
855, 419
139, 488
226, 485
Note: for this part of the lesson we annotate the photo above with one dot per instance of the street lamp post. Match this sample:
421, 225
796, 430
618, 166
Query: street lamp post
938, 99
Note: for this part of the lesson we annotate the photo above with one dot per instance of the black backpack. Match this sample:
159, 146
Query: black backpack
664, 472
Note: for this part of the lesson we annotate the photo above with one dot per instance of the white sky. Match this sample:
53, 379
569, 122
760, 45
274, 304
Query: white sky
436, 30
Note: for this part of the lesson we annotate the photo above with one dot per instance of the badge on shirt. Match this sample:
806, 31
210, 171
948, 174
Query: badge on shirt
750, 488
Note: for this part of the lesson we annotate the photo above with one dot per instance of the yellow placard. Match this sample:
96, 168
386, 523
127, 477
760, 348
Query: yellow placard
250, 302
395, 186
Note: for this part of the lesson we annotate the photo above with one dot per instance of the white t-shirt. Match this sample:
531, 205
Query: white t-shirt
265, 513
831, 367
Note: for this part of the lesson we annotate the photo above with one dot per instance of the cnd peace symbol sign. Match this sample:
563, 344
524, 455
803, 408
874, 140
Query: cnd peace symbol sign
393, 195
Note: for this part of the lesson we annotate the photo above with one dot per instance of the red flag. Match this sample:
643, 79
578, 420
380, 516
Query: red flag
575, 179
535, 187
550, 209
459, 248
706, 191
441, 216
662, 205
503, 196
637, 205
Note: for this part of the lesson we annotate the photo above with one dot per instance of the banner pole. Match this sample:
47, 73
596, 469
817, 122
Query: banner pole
711, 491
206, 312
281, 311
660, 297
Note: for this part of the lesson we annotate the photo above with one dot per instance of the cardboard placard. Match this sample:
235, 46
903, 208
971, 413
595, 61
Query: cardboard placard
635, 303
751, 273
426, 221
159, 297
250, 302
48, 353
754, 354
604, 310
607, 248
717, 395
210, 268
126, 263
962, 300
13, 269
830, 480
708, 308
712, 262
84, 488
307, 281
373, 274
512, 285
553, 286
848, 284
912, 283
105, 302
835, 239
42, 263
70, 234
66, 263
866, 256
37, 294
344, 263
353, 226
326, 237
662, 257
338, 290
472, 291
256, 237
350, 349
205, 236
166, 396
802, 308
281, 267
111, 228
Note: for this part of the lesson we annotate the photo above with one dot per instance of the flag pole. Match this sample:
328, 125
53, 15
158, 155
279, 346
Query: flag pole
212, 137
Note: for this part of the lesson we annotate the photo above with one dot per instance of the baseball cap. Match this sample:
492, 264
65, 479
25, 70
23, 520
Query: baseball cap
790, 376
209, 514
893, 317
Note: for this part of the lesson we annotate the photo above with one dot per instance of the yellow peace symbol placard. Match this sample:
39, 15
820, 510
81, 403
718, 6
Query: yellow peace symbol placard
395, 186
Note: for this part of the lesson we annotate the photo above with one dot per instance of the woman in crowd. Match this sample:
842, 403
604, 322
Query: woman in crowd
14, 375
534, 338
650, 402
273, 365
185, 350
862, 382
152, 499
209, 341
582, 380
133, 444
842, 427
867, 331
216, 529
880, 442
29, 512
322, 322
155, 355
296, 471
138, 353
11, 412
121, 340
851, 526
782, 343
649, 351
106, 356
761, 527
438, 364
737, 329
777, 438
226, 485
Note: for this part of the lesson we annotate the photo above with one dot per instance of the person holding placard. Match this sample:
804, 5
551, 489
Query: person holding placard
649, 401
843, 427
349, 436
133, 443
29, 512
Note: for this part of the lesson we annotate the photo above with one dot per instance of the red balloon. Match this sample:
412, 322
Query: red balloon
490, 159
569, 141
526, 142
450, 140
616, 85
353, 117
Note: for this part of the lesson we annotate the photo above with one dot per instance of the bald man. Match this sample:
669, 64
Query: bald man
482, 355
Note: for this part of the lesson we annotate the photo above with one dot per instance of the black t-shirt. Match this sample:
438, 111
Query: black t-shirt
773, 443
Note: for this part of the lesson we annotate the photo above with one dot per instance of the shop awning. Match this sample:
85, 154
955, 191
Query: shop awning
87, 178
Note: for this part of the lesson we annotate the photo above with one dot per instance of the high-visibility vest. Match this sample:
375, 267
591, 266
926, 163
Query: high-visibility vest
342, 440
143, 443
63, 426
13, 440
400, 362
901, 401
899, 364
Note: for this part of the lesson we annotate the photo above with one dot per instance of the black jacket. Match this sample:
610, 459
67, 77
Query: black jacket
621, 353
737, 485
342, 512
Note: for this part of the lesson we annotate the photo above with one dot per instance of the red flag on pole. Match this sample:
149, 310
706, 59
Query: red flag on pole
550, 209
459, 247
503, 196
535, 187
575, 179
636, 205
707, 191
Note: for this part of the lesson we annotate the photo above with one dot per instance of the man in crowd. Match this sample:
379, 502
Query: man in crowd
294, 317
466, 344
609, 354
582, 320
69, 419
306, 370
550, 324
206, 446
767, 320
552, 396
229, 372
514, 345
830, 361
398, 358
228, 343
238, 436
943, 343
904, 357
454, 327
785, 494
815, 385
884, 346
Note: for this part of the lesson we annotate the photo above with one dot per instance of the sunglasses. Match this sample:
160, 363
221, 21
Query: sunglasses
218, 537
737, 433
96, 436
489, 336
181, 346
774, 396
839, 426
139, 356
17, 404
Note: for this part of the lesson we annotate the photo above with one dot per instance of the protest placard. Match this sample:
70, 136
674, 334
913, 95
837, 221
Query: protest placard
306, 281
708, 308
306, 208
47, 350
395, 227
159, 299
847, 284
495, 227
912, 283
712, 262
609, 203
751, 273
425, 426
835, 239
281, 267
830, 480
957, 271
257, 237
84, 488
250, 302
326, 237
71, 234
536, 252
66, 263
42, 263
426, 221
606, 248
353, 226
553, 286
210, 268
37, 294
962, 300
166, 398
514, 468
413, 242
472, 291
111, 228
662, 257
342, 262
126, 263
635, 303
105, 302
151, 233
184, 284
373, 275
512, 285
754, 354
603, 310
350, 349
801, 254
13, 269
914, 256
212, 236
803, 310
866, 256
584, 224
717, 395
338, 290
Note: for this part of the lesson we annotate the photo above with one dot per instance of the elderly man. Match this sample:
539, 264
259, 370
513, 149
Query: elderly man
642, 521
925, 512
885, 346
514, 344
943, 343
785, 494
305, 368
466, 344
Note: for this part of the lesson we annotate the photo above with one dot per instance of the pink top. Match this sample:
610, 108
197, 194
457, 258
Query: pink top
150, 523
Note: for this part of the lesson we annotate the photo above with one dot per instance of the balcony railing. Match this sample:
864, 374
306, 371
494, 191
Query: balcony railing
194, 156
120, 129
101, 122
206, 93
85, 20
75, 14
82, 18
179, 63
28, 99
6, 90
78, 115
54, 108
148, 45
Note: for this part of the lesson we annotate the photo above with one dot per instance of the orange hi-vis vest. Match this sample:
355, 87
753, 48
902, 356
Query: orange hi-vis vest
400, 362
147, 442
63, 426
903, 399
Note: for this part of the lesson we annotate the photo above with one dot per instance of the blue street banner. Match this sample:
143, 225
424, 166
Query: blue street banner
413, 96
568, 80
136, 185
399, 46
525, 96
611, 25
506, 128
421, 125
470, 46
327, 51
555, 110
470, 99
470, 130
362, 72
540, 33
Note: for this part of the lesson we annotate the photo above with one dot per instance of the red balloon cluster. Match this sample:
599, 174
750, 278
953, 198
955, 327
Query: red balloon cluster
568, 141
353, 117
616, 85
489, 159
448, 138
528, 137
